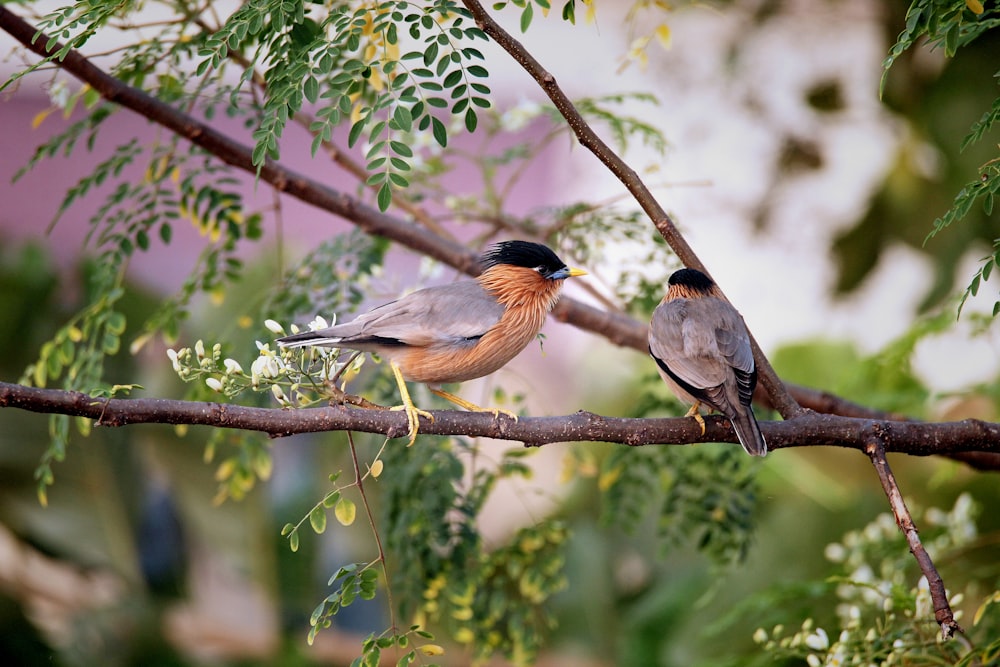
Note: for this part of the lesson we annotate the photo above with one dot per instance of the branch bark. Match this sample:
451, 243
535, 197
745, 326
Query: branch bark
807, 430
945, 617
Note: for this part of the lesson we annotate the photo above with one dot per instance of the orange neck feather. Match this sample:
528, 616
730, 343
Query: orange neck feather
519, 287
688, 292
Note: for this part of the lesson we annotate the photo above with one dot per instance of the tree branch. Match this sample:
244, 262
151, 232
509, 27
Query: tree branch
809, 429
780, 398
875, 448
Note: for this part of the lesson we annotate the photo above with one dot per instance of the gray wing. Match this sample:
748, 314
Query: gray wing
443, 314
700, 344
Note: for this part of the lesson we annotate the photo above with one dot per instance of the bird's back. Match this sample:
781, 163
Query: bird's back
453, 314
705, 348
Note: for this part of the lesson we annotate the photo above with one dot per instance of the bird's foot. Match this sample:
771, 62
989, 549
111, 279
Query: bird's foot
413, 415
693, 412
500, 411
472, 407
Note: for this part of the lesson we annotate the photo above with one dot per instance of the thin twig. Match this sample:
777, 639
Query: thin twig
875, 448
359, 481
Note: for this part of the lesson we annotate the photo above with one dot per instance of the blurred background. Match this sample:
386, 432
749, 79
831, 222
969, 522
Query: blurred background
807, 196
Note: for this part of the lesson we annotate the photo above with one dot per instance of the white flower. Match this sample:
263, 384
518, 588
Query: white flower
518, 117
267, 365
935, 517
174, 360
274, 327
280, 395
59, 94
318, 323
818, 640
199, 349
233, 367
760, 636
214, 384
813, 661
923, 599
963, 526
835, 553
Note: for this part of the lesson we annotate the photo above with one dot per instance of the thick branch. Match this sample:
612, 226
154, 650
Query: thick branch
780, 398
875, 448
809, 429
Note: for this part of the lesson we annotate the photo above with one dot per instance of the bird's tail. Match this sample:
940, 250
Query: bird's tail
307, 338
747, 430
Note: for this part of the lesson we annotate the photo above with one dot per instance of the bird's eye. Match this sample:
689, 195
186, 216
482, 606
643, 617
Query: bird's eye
541, 268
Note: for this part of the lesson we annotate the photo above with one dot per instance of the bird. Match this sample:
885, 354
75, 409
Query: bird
459, 331
702, 351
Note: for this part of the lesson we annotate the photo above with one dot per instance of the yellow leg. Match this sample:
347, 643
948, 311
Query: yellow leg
413, 413
693, 412
470, 406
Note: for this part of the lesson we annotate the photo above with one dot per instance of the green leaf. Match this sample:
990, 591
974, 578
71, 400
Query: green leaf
311, 89
111, 343
331, 499
355, 133
317, 519
439, 131
384, 198
399, 148
526, 17
430, 54
569, 11
116, 323
404, 121
346, 510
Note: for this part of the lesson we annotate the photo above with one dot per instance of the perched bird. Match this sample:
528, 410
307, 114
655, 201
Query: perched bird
702, 349
460, 331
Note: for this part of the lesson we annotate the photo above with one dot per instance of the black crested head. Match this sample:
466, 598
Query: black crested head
526, 254
692, 279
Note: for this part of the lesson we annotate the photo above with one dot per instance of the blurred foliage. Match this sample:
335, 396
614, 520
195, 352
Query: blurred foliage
704, 496
939, 154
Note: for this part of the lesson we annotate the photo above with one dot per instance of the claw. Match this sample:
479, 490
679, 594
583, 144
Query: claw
413, 413
693, 412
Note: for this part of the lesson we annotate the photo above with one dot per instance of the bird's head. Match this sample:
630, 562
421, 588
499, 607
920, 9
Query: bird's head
524, 273
690, 284
528, 255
